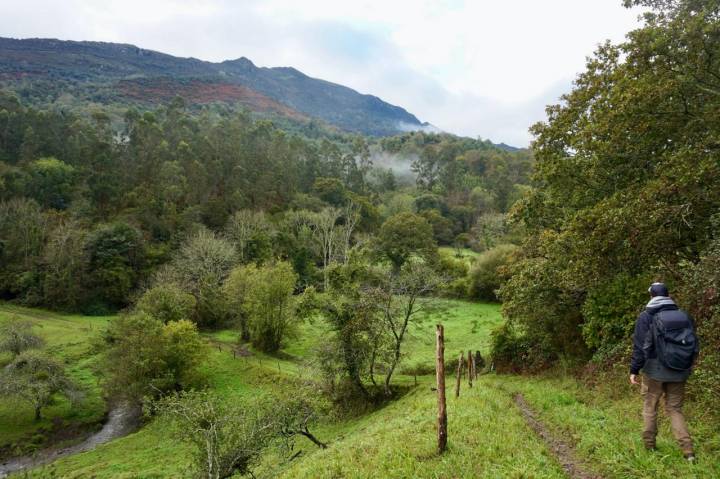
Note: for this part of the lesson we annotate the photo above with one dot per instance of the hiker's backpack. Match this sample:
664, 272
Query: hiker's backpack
673, 335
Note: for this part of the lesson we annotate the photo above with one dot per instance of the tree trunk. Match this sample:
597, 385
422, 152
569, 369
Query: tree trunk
461, 360
372, 364
440, 378
396, 359
38, 413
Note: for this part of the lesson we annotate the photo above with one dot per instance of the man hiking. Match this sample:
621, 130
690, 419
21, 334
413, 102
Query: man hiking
664, 348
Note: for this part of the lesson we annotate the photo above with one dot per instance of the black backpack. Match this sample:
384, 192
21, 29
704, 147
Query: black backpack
673, 335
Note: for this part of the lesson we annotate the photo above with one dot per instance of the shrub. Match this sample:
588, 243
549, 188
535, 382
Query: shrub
167, 302
515, 352
699, 293
16, 336
488, 273
145, 357
226, 439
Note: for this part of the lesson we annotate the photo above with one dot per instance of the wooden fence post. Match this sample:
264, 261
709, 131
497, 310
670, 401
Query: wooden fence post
470, 368
440, 378
461, 360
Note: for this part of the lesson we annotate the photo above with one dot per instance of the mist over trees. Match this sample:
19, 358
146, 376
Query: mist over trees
91, 215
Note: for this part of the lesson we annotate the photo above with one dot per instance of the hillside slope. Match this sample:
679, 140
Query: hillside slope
46, 69
487, 435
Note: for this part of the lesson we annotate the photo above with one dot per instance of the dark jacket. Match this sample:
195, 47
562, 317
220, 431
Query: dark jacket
646, 359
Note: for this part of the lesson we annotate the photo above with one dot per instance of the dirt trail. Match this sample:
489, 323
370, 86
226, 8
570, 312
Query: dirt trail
121, 421
562, 451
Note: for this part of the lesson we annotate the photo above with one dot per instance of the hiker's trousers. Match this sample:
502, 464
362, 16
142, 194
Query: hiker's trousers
674, 394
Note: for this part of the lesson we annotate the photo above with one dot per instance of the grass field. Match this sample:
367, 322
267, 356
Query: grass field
69, 339
488, 437
467, 255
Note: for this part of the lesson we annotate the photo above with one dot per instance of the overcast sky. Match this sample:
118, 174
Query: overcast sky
477, 68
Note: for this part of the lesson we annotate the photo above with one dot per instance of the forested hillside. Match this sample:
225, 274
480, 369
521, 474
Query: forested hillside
89, 215
67, 75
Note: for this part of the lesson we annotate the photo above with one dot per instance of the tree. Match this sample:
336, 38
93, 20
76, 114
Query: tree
359, 343
442, 227
250, 232
145, 357
399, 299
51, 182
23, 230
350, 217
226, 439
115, 258
16, 336
627, 173
167, 302
200, 267
66, 264
325, 231
269, 304
203, 255
405, 235
236, 288
36, 379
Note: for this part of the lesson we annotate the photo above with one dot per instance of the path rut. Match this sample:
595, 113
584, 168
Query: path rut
563, 452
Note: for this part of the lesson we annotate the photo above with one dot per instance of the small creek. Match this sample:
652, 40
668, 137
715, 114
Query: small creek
121, 421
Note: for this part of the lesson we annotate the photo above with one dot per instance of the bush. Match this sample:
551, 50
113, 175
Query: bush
167, 303
699, 293
16, 336
489, 272
514, 352
226, 439
145, 358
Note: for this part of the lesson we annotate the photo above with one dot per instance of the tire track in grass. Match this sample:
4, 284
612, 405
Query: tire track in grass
563, 452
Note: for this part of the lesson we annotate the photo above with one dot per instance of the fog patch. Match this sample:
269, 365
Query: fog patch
399, 164
424, 127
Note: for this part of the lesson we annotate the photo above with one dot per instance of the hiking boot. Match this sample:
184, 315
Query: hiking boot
650, 447
690, 458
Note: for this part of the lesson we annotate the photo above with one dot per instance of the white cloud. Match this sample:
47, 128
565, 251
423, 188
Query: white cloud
475, 68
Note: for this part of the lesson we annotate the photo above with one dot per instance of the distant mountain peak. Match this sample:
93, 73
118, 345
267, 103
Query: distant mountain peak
242, 61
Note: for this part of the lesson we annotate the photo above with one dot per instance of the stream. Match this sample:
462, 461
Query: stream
121, 421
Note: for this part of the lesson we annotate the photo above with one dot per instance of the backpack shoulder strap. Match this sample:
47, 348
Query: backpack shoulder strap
650, 337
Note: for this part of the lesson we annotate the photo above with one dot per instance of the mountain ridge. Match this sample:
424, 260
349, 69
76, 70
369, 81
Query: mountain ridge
85, 67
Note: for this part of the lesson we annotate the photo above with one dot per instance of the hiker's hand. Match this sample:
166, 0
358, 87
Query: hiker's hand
633, 379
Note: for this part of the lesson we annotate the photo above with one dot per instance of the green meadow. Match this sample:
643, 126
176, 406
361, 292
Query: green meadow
488, 436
